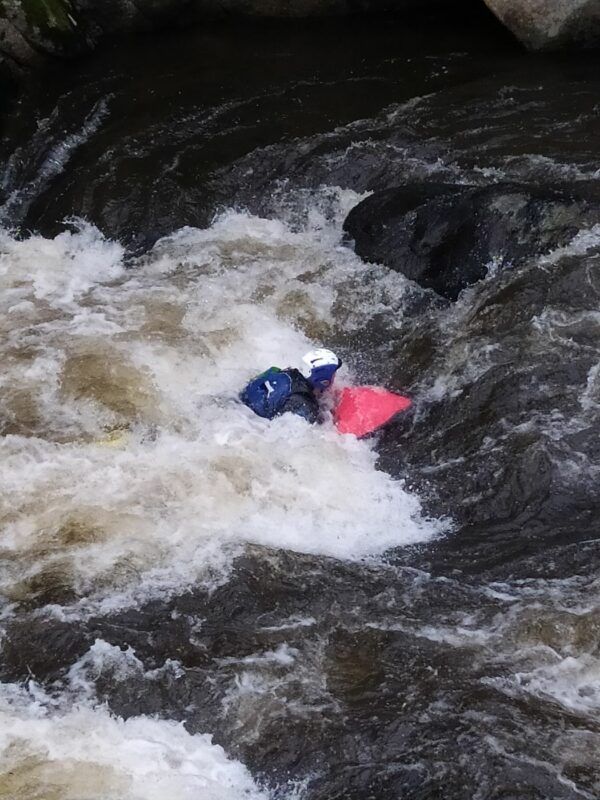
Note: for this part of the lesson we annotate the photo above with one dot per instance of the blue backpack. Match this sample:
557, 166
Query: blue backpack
267, 393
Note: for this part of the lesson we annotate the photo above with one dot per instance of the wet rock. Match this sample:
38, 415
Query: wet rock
550, 24
14, 44
29, 28
447, 237
32, 28
23, 658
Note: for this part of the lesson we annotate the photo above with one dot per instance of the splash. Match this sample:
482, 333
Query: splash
127, 459
86, 753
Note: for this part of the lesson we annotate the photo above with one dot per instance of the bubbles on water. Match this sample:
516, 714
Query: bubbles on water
57, 272
572, 682
86, 753
127, 461
283, 683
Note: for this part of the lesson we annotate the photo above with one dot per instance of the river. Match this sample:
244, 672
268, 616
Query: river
200, 603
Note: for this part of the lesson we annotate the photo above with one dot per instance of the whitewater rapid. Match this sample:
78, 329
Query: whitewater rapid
130, 470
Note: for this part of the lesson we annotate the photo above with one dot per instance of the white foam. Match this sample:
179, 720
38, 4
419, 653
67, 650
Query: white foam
162, 350
590, 397
86, 753
537, 167
58, 270
572, 682
584, 240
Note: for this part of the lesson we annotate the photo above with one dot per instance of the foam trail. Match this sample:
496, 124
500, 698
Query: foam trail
47, 167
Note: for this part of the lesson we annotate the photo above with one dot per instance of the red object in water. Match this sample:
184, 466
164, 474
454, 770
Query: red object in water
362, 409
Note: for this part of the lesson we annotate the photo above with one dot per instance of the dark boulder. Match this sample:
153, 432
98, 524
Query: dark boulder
447, 237
31, 30
550, 24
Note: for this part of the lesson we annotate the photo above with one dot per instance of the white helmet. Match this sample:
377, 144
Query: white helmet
319, 367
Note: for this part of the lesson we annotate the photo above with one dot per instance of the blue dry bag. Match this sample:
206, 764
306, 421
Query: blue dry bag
267, 393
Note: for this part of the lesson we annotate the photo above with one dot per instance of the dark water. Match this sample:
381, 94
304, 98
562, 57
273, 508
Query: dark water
465, 666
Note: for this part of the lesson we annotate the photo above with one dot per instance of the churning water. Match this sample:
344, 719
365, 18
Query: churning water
200, 603
131, 471
126, 455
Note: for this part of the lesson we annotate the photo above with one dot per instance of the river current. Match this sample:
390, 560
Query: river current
199, 603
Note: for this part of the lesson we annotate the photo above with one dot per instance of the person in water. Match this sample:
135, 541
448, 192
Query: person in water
296, 391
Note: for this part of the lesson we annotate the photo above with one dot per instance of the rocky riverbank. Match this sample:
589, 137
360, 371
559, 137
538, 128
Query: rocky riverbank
31, 30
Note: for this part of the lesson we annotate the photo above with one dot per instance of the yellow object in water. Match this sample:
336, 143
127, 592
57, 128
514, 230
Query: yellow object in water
116, 439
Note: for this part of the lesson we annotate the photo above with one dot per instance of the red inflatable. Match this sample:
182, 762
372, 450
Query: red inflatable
362, 409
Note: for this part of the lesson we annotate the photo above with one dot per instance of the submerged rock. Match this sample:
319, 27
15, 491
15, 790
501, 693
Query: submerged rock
549, 24
447, 237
